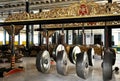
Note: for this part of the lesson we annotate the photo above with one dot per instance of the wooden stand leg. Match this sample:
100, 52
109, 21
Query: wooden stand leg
12, 69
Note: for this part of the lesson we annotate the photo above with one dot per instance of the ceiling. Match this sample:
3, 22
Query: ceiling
19, 5
8, 6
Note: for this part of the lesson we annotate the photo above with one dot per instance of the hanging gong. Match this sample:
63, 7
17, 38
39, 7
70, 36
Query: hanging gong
113, 56
43, 61
82, 65
61, 62
107, 65
58, 48
91, 54
73, 52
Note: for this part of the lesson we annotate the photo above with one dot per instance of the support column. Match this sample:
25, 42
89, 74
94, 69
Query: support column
27, 27
91, 38
83, 36
78, 37
9, 39
66, 36
5, 37
12, 46
108, 33
54, 38
39, 34
8, 34
63, 36
57, 37
32, 34
27, 37
19, 39
73, 36
108, 37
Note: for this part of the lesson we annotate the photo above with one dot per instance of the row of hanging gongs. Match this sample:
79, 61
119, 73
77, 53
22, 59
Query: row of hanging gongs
81, 56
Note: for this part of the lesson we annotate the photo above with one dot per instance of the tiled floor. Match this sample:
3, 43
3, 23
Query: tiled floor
31, 73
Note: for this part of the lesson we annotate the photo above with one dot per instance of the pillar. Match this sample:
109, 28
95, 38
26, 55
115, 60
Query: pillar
108, 37
83, 36
27, 27
66, 36
32, 34
108, 33
5, 37
19, 39
39, 34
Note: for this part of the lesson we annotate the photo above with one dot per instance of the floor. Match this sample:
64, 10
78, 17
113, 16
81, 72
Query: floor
31, 74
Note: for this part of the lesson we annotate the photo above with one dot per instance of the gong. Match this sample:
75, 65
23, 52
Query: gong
107, 65
62, 62
56, 50
91, 54
43, 61
73, 52
82, 65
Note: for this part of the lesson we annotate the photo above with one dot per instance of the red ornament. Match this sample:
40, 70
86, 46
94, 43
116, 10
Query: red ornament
83, 10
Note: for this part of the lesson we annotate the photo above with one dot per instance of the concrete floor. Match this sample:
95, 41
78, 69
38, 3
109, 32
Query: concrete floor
31, 73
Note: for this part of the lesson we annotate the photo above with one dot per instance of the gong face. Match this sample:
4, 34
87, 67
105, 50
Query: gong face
62, 62
58, 48
76, 50
82, 65
73, 52
107, 65
43, 61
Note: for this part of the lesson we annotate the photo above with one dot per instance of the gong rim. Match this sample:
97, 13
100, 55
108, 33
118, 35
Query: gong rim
91, 54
